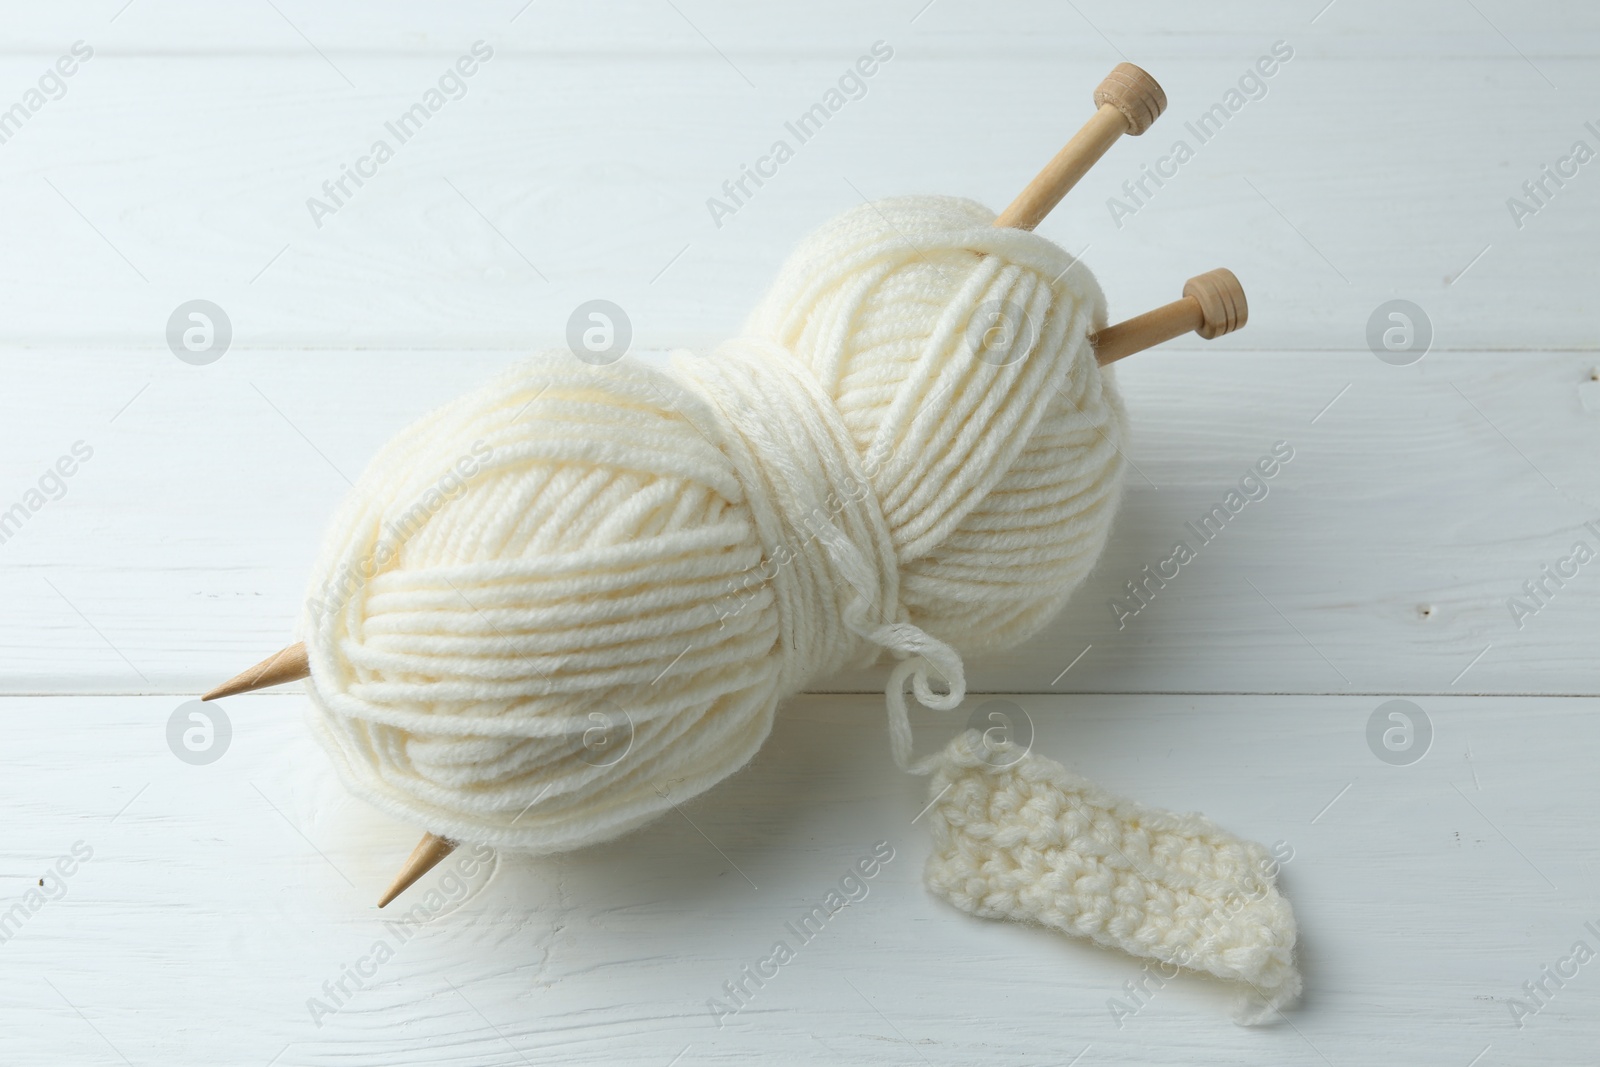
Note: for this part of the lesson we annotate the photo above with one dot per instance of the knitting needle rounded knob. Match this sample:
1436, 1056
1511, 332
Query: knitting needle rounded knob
1127, 101
1213, 304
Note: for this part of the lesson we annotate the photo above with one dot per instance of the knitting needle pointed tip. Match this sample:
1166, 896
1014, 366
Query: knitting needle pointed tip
424, 858
1126, 102
288, 665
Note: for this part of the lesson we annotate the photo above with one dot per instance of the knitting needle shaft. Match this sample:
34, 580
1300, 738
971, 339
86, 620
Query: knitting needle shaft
1147, 330
1213, 304
1127, 101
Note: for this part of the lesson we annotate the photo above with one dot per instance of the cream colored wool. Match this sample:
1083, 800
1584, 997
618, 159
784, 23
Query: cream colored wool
689, 545
870, 469
1003, 480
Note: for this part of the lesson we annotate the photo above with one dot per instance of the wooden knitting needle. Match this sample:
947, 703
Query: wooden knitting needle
1213, 304
1127, 101
290, 665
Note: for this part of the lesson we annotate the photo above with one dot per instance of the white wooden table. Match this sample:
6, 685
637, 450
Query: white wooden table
218, 900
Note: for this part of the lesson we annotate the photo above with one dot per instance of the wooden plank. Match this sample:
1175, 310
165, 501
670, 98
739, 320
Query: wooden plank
1382, 559
237, 889
143, 188
700, 27
223, 903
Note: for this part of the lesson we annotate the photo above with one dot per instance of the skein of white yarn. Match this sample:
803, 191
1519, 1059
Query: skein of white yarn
911, 451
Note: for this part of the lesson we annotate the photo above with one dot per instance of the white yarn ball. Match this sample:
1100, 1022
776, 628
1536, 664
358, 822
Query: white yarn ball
1005, 469
656, 557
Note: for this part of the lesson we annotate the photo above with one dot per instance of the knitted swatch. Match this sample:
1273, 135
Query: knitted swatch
1018, 836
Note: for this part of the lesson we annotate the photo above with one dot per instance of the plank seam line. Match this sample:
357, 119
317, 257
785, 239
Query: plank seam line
1476, 693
